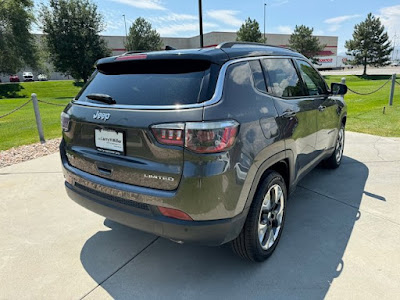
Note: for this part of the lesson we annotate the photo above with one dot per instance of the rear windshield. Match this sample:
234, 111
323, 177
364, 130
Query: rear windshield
158, 86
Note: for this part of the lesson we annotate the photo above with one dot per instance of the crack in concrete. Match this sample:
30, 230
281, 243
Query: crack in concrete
121, 267
349, 205
377, 150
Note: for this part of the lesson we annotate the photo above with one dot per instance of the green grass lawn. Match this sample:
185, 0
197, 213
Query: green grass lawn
365, 112
19, 128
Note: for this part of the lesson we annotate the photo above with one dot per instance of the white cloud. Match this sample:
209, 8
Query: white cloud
284, 29
336, 23
390, 18
341, 19
279, 2
173, 17
144, 4
225, 16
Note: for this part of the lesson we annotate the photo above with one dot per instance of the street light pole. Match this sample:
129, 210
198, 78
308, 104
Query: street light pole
201, 24
265, 5
126, 32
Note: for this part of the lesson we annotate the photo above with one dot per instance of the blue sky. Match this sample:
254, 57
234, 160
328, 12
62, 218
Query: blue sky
180, 18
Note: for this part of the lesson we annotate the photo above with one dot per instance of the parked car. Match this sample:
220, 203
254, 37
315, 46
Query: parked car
42, 77
28, 76
201, 146
14, 78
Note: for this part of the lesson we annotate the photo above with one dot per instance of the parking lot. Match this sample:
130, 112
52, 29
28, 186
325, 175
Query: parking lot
341, 240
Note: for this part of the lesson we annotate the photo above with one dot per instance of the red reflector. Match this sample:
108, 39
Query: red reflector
136, 56
174, 213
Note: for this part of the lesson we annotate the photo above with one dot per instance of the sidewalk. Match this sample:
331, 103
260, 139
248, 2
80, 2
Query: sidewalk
341, 240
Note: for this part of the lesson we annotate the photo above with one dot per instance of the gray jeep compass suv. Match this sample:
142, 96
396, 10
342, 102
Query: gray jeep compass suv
201, 145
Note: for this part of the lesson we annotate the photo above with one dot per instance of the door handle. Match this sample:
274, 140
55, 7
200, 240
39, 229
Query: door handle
288, 113
321, 108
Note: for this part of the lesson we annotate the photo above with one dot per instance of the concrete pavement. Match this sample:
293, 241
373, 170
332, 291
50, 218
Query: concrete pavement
341, 240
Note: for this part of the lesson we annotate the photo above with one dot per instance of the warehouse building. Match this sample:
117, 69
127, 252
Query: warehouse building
116, 43
211, 39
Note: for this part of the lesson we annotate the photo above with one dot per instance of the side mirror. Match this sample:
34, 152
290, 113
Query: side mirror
338, 88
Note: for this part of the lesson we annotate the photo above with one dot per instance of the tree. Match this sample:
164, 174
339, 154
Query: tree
370, 44
72, 30
142, 37
304, 42
250, 32
17, 45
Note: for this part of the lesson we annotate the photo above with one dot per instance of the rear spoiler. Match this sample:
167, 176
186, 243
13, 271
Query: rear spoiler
140, 64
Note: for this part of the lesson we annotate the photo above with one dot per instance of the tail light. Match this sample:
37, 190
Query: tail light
200, 137
169, 134
65, 121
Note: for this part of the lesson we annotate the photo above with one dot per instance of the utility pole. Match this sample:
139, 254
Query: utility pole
126, 32
265, 6
201, 24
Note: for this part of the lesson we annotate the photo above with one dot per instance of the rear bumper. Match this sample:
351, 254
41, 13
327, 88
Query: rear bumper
137, 207
147, 218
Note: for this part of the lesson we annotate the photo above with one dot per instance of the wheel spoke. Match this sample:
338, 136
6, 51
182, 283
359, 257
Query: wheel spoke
270, 239
266, 206
279, 216
262, 229
278, 194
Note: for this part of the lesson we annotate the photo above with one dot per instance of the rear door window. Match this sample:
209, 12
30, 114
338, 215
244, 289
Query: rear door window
313, 81
160, 86
283, 79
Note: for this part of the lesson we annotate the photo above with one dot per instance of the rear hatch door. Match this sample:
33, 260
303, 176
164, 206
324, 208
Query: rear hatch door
115, 141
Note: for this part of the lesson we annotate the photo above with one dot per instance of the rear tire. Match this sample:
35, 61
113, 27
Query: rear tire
264, 224
335, 159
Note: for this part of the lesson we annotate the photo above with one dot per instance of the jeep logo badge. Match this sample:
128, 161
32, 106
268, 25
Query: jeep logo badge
101, 116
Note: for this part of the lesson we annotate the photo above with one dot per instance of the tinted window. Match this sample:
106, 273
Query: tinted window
258, 75
149, 89
314, 83
283, 78
238, 81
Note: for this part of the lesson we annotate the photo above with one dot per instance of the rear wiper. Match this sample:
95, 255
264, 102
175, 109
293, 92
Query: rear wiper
102, 97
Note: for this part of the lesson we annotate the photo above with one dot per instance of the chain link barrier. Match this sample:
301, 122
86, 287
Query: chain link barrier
55, 104
16, 109
369, 93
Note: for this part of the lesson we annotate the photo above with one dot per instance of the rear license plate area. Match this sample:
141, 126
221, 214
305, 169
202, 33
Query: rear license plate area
110, 141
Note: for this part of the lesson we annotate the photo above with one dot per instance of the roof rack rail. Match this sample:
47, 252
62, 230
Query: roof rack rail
231, 44
131, 52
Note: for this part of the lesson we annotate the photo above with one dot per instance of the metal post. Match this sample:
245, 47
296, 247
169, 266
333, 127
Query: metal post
126, 31
38, 119
265, 40
343, 81
201, 24
392, 89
